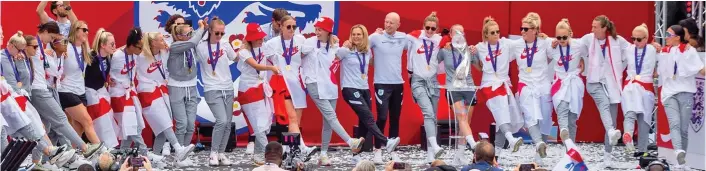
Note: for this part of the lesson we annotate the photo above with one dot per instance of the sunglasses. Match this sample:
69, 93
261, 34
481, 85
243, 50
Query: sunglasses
291, 27
186, 35
525, 29
430, 28
562, 37
18, 49
670, 35
639, 39
219, 33
84, 29
33, 46
494, 32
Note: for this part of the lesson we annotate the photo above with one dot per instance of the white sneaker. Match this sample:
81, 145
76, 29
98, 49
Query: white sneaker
308, 152
538, 159
213, 159
392, 144
258, 159
154, 158
607, 159
680, 157
324, 161
430, 156
63, 158
183, 151
516, 143
184, 163
613, 136
629, 146
250, 149
437, 151
224, 161
356, 145
377, 157
460, 158
166, 150
564, 134
542, 149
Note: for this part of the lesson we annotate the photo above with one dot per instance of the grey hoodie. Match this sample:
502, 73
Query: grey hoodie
9, 73
177, 62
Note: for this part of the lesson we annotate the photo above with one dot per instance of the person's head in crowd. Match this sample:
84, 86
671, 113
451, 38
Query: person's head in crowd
277, 16
491, 30
440, 165
216, 30
640, 35
273, 153
78, 36
86, 167
103, 44
531, 26
17, 44
430, 24
32, 45
49, 32
390, 166
174, 20
691, 29
563, 32
59, 9
484, 152
437, 162
133, 44
602, 27
676, 35
392, 23
105, 161
181, 32
364, 165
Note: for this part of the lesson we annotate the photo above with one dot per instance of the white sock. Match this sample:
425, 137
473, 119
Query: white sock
432, 142
350, 142
176, 145
470, 141
301, 143
323, 153
509, 136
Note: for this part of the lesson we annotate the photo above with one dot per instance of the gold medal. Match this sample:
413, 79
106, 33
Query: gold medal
213, 73
2, 78
428, 67
105, 84
84, 75
362, 76
259, 78
528, 69
637, 77
190, 70
288, 67
496, 75
674, 77
19, 84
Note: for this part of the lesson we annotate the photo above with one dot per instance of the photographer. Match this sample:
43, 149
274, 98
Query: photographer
273, 158
484, 158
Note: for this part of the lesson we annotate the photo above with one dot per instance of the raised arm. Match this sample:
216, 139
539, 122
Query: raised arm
72, 15
182, 46
43, 17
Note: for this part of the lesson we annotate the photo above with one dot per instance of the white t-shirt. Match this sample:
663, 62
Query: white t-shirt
649, 62
220, 55
149, 71
73, 81
688, 66
540, 61
310, 62
502, 67
574, 58
40, 81
56, 67
248, 74
388, 56
350, 68
64, 28
417, 56
122, 69
274, 50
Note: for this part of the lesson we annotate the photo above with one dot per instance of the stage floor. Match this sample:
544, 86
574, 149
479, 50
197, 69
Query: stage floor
342, 159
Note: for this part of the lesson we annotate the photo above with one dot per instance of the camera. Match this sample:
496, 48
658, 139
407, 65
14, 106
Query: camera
292, 158
650, 158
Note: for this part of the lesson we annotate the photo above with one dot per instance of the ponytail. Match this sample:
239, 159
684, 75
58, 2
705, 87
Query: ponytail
609, 25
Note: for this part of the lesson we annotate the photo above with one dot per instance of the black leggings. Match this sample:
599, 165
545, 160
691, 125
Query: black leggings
359, 100
389, 99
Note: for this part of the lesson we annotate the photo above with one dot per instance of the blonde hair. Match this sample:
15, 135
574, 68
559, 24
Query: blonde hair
487, 23
100, 39
178, 29
564, 24
364, 165
533, 20
147, 44
17, 38
642, 28
215, 20
432, 17
73, 37
365, 45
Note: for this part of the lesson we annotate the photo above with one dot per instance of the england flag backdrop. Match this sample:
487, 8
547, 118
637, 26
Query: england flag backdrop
152, 15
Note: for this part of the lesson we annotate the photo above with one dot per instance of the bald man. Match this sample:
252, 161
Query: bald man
387, 47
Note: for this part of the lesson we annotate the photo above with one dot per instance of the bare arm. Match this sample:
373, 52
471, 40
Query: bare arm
43, 17
72, 15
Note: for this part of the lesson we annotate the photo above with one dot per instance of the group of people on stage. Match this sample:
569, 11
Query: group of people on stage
107, 93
